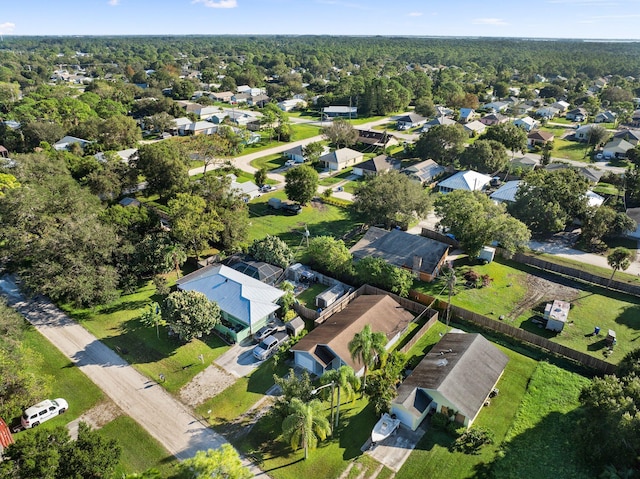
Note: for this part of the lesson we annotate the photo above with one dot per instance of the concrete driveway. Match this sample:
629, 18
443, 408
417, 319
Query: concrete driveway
239, 360
394, 451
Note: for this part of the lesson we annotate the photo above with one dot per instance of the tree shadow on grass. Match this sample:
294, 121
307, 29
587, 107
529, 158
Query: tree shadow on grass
354, 429
533, 325
553, 444
630, 317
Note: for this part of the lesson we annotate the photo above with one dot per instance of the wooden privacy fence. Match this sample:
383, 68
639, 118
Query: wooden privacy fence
573, 272
520, 334
420, 332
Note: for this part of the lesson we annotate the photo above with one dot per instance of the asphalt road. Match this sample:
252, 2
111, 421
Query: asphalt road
170, 422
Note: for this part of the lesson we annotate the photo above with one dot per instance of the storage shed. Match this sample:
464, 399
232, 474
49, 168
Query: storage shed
487, 254
330, 296
295, 326
556, 314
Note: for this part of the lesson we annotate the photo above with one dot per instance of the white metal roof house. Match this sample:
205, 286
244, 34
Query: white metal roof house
424, 172
246, 303
527, 123
455, 378
464, 180
616, 148
474, 128
340, 159
65, 142
506, 193
340, 111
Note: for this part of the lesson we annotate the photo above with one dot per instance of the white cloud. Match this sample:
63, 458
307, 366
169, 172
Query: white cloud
415, 14
114, 3
218, 3
489, 21
7, 27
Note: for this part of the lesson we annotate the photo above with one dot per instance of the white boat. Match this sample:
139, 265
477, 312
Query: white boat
384, 428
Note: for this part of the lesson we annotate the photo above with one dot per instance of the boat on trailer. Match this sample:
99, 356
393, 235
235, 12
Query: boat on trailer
386, 426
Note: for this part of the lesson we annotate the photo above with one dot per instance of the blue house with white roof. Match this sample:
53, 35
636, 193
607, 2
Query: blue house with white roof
246, 303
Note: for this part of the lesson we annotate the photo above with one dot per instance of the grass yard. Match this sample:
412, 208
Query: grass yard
432, 457
606, 189
533, 419
518, 292
570, 150
336, 178
270, 162
321, 219
117, 325
331, 457
308, 296
139, 450
547, 416
593, 269
301, 131
66, 379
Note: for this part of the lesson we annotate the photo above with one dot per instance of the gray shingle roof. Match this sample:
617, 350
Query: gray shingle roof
464, 368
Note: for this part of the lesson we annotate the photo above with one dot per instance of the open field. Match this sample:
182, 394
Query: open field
570, 150
518, 294
321, 219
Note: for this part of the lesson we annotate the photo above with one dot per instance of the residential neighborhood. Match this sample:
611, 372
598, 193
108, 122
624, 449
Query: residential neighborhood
352, 266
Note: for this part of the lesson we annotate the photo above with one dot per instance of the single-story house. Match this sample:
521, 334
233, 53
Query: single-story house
456, 377
527, 123
443, 111
224, 96
525, 162
506, 193
340, 159
605, 117
616, 148
207, 111
296, 154
258, 100
635, 119
441, 120
180, 125
561, 105
376, 138
422, 256
577, 114
377, 165
632, 136
539, 138
263, 272
521, 109
410, 120
291, 104
583, 133
65, 143
547, 112
248, 189
474, 128
4, 153
634, 214
128, 201
327, 346
464, 180
201, 128
496, 106
425, 171
467, 114
246, 304
493, 119
593, 175
340, 111
240, 98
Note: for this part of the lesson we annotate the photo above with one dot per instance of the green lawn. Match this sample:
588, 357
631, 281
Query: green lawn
270, 162
432, 457
308, 296
510, 295
562, 120
139, 450
302, 131
117, 325
66, 378
321, 219
606, 189
547, 416
534, 411
597, 270
570, 150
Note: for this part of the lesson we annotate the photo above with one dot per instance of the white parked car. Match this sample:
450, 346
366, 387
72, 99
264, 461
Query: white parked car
267, 188
43, 411
289, 163
269, 345
265, 331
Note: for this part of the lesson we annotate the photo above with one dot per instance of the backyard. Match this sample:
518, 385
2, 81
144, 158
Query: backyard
320, 218
517, 295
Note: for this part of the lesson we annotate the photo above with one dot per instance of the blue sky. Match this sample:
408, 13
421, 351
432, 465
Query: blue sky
614, 19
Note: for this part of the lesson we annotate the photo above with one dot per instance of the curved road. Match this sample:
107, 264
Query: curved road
169, 421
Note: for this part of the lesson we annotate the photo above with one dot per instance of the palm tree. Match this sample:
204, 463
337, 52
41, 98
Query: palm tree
174, 257
305, 424
365, 347
619, 258
346, 378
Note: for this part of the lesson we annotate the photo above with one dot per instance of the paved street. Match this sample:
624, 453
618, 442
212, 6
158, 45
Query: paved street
170, 422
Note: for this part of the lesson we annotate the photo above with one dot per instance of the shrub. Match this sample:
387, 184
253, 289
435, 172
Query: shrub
439, 421
472, 440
